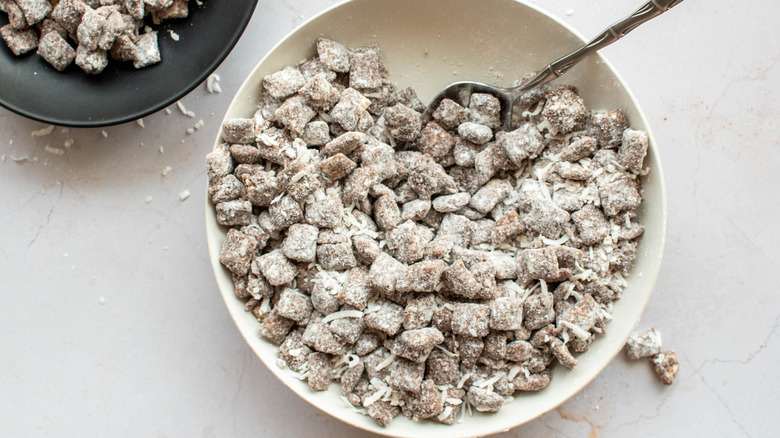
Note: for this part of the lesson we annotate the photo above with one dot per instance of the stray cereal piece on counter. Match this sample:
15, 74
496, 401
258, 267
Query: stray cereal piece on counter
643, 343
666, 366
427, 268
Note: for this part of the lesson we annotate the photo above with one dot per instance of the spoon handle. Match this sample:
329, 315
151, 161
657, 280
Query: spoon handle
649, 10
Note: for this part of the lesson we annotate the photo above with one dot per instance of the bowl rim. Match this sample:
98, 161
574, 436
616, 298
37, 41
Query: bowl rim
657, 170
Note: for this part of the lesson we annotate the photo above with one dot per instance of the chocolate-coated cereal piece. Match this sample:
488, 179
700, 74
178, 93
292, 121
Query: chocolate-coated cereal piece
592, 225
349, 109
538, 311
239, 131
284, 212
294, 114
386, 212
364, 70
261, 188
244, 154
419, 311
425, 403
356, 288
485, 109
293, 352
350, 378
275, 327
385, 272
423, 276
561, 352
236, 253
284, 83
276, 268
666, 366
643, 343
450, 114
19, 41
484, 400
403, 122
620, 196
471, 319
506, 313
406, 375
451, 203
532, 382
56, 51
577, 150
585, 314
633, 149
333, 55
565, 110
460, 281
495, 344
436, 141
316, 133
572, 171
319, 368
475, 133
457, 226
507, 227
147, 51
336, 257
232, 213
336, 167
294, 305
388, 319
347, 330
301, 243
608, 128
417, 344
381, 411
520, 351
406, 242
491, 194
525, 142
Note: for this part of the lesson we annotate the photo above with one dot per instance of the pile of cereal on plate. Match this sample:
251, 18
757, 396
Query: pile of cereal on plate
96, 28
429, 267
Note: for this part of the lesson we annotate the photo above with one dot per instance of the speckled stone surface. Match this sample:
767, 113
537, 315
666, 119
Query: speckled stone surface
113, 326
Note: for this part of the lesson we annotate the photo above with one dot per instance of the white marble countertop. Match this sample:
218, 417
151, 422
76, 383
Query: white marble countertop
113, 325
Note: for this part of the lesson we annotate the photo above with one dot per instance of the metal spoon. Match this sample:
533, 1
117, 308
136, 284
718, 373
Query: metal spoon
462, 91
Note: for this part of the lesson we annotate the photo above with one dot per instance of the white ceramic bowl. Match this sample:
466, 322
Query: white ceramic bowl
428, 44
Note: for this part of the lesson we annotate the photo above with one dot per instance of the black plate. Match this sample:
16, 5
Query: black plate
29, 86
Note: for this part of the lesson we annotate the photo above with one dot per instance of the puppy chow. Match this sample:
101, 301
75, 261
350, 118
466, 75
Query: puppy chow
423, 267
19, 41
285, 83
56, 50
485, 109
450, 114
666, 366
475, 133
403, 122
349, 109
607, 128
644, 343
333, 55
427, 403
565, 110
